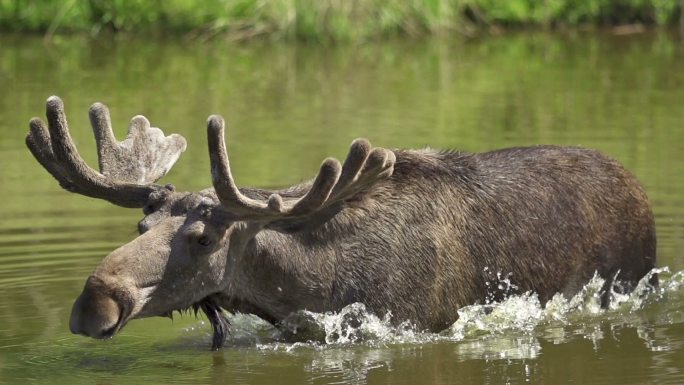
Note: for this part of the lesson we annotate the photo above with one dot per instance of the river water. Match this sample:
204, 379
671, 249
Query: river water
288, 107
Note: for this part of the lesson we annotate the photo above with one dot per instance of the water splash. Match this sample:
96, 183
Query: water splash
509, 328
498, 285
519, 313
352, 324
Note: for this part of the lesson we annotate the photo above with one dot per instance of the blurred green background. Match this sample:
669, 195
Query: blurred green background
326, 20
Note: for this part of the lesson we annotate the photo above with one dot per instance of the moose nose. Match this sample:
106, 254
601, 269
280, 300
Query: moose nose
95, 313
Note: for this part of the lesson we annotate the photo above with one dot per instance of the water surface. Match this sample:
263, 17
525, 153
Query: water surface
288, 107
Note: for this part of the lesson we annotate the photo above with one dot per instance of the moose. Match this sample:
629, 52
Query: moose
411, 232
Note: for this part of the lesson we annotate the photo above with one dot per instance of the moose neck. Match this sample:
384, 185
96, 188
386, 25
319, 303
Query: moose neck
280, 272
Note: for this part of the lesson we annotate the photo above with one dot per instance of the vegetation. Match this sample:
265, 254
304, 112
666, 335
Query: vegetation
324, 19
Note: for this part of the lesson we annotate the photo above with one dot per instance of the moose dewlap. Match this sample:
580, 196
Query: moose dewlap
414, 232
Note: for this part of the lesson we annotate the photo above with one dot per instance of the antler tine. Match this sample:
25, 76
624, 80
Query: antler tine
362, 168
224, 184
38, 142
65, 152
358, 152
320, 190
379, 161
102, 129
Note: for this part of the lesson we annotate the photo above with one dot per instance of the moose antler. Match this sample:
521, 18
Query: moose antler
127, 169
363, 167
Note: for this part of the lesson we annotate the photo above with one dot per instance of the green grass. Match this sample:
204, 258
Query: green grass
350, 20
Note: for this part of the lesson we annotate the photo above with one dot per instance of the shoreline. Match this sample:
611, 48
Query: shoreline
331, 21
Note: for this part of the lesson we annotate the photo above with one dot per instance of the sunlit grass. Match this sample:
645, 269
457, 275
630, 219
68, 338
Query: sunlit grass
328, 20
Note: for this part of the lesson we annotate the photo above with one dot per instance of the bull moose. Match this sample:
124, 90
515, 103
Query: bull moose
411, 232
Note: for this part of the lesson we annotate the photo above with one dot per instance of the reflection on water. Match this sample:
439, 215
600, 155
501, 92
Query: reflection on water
288, 107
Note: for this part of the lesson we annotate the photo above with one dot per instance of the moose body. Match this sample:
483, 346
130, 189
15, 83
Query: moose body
425, 242
414, 233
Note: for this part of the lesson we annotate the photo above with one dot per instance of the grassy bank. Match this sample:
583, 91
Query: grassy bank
350, 20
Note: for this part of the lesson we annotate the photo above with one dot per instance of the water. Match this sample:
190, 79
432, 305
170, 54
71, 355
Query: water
288, 107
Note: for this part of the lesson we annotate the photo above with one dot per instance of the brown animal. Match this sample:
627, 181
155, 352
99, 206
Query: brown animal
414, 232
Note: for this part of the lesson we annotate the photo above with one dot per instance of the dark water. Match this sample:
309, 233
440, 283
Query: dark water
288, 107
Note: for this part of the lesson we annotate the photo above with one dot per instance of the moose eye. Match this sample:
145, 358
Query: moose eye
148, 209
204, 240
143, 227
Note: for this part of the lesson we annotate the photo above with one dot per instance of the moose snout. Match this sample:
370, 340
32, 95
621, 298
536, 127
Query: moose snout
96, 312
